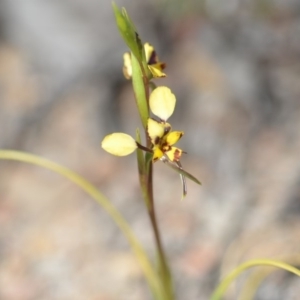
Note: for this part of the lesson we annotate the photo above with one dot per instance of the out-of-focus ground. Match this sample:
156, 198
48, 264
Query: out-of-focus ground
235, 69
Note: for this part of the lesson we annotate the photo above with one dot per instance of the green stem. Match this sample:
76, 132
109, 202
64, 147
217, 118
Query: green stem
141, 85
163, 268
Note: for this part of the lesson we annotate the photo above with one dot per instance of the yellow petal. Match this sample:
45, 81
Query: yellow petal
157, 154
154, 65
156, 70
148, 51
119, 144
173, 137
162, 102
155, 130
127, 67
174, 154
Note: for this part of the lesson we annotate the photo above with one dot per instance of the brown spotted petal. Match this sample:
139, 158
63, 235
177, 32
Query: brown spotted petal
174, 154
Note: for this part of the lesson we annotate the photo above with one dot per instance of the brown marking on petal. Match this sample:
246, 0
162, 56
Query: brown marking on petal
153, 58
157, 140
163, 65
167, 129
177, 155
165, 147
159, 120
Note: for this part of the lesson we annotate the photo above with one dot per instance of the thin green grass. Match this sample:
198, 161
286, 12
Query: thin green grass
221, 289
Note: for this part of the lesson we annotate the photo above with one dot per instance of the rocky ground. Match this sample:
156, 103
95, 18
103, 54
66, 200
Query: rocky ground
235, 69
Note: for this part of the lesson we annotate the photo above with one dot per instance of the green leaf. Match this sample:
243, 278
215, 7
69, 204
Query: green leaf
139, 90
148, 160
140, 154
142, 171
182, 172
128, 32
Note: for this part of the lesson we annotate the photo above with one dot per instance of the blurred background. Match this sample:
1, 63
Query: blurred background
235, 68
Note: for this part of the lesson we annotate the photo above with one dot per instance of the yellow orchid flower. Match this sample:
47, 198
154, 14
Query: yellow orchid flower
155, 66
163, 140
162, 103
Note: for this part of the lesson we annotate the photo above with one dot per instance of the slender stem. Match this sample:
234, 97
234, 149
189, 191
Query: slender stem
151, 211
153, 218
146, 180
163, 270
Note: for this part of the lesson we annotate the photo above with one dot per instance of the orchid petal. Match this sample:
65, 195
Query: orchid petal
174, 154
156, 70
162, 102
173, 137
119, 144
155, 130
157, 154
127, 68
